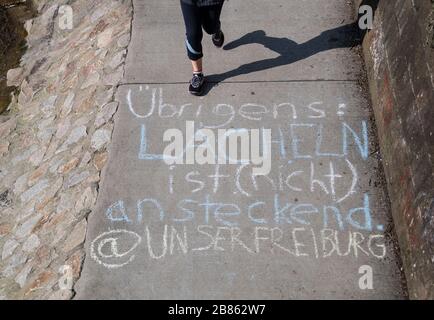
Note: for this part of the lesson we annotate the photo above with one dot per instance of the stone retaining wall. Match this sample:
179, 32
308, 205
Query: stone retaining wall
400, 64
54, 141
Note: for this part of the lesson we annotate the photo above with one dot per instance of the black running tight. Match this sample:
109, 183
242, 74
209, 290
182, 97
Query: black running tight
196, 18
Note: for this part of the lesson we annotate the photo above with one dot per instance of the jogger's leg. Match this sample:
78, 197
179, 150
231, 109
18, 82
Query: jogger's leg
193, 26
211, 24
197, 65
211, 18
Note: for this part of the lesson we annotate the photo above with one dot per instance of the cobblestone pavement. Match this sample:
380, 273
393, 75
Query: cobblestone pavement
53, 143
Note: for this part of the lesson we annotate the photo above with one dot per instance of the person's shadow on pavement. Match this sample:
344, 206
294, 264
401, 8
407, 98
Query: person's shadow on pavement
289, 51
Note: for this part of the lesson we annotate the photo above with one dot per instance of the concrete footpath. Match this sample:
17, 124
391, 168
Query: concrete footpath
317, 226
